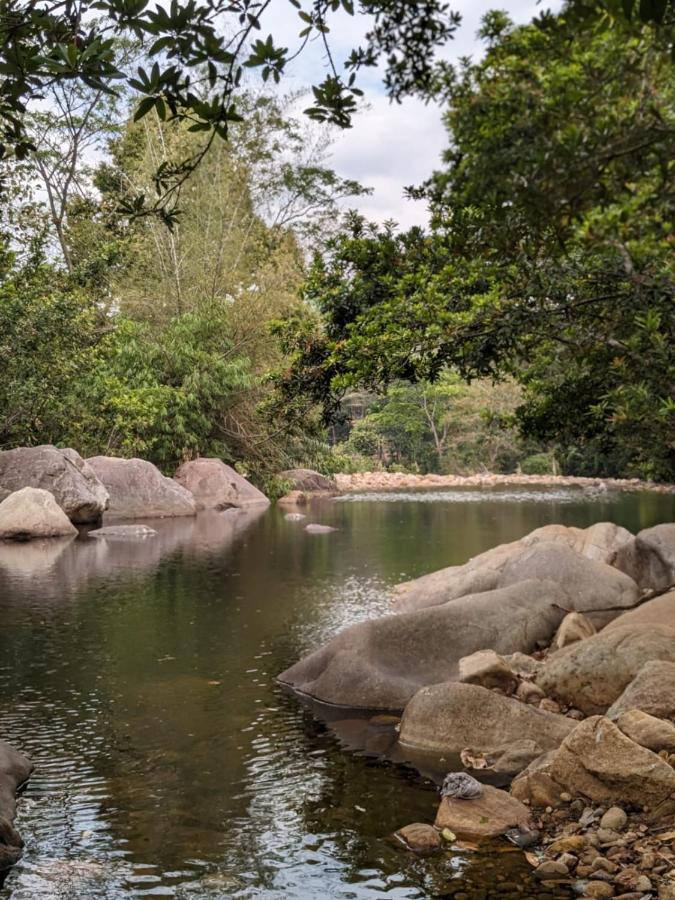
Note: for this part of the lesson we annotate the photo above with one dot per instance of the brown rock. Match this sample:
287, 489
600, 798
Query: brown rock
308, 480
490, 815
598, 889
573, 843
550, 870
574, 627
591, 674
488, 669
420, 837
215, 485
527, 692
615, 819
138, 489
293, 498
652, 690
648, 731
15, 769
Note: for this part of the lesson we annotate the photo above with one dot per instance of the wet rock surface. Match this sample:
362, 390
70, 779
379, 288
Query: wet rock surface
15, 769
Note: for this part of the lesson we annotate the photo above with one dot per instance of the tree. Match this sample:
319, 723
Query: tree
550, 257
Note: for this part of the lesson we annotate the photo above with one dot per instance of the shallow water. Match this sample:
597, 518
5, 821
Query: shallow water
140, 678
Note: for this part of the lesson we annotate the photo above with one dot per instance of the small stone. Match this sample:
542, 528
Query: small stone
643, 884
608, 836
601, 863
528, 692
648, 860
565, 797
569, 860
598, 889
550, 869
448, 835
614, 819
420, 837
549, 705
575, 714
631, 896
575, 843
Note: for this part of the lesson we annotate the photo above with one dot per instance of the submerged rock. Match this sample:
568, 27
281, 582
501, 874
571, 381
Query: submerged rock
308, 480
420, 837
381, 663
590, 587
447, 718
139, 490
123, 532
592, 674
490, 815
596, 760
72, 482
33, 513
215, 485
313, 528
651, 691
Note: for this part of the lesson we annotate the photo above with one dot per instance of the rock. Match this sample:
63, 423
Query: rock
420, 838
308, 480
649, 559
294, 517
599, 542
607, 836
15, 769
652, 690
71, 481
490, 815
550, 870
574, 627
647, 731
659, 611
314, 528
598, 889
33, 513
445, 718
294, 498
139, 490
215, 485
591, 674
523, 665
643, 884
549, 705
123, 532
488, 669
614, 819
527, 692
381, 663
589, 587
512, 758
573, 843
596, 760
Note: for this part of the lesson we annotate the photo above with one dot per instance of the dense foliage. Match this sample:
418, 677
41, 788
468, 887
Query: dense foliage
550, 258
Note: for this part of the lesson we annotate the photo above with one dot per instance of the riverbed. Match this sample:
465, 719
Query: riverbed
139, 676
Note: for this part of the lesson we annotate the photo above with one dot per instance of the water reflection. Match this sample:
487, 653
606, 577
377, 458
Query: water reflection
140, 677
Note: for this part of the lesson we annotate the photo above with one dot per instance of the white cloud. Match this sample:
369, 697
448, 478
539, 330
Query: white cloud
391, 145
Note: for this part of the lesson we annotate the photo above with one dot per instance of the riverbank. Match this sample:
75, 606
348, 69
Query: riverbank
394, 481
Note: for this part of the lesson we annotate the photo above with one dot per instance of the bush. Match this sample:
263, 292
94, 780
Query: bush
539, 464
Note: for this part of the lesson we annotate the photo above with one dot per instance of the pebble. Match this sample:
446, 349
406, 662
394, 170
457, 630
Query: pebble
598, 889
550, 869
601, 863
549, 705
643, 884
614, 819
608, 836
565, 797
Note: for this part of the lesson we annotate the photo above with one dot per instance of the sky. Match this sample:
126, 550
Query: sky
390, 145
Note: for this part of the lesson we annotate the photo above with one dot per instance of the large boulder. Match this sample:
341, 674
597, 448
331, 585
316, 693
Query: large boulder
215, 485
488, 816
659, 611
596, 760
32, 513
651, 691
446, 718
72, 482
139, 490
381, 663
600, 542
590, 587
15, 769
649, 558
591, 674
308, 480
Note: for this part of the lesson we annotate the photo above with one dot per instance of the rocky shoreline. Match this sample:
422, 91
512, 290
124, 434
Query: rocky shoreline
549, 662
393, 481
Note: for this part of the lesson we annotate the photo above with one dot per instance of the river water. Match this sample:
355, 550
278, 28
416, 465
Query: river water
139, 676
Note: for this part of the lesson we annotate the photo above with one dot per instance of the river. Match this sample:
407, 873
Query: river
139, 676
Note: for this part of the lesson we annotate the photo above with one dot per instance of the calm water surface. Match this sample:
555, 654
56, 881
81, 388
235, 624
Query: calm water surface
140, 678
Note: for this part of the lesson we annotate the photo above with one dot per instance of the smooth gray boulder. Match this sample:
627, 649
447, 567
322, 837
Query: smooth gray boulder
447, 718
123, 532
590, 587
308, 480
73, 483
138, 489
592, 674
652, 691
15, 769
381, 663
32, 513
216, 485
649, 559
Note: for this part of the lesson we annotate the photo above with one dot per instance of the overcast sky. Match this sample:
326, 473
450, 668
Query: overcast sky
391, 145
